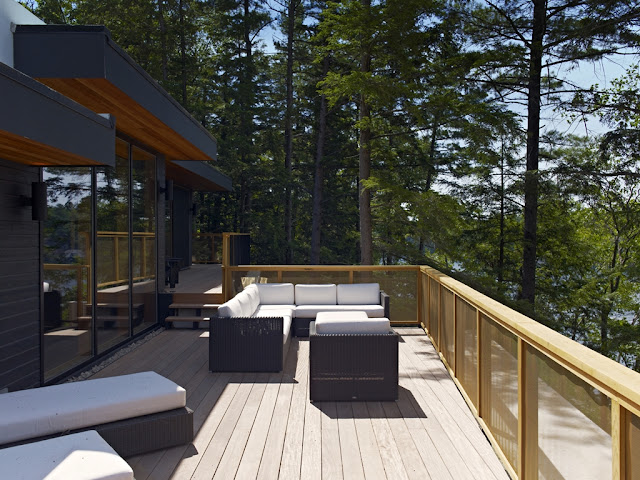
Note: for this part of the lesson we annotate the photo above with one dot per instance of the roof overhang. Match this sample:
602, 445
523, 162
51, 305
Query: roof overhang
198, 176
83, 63
39, 126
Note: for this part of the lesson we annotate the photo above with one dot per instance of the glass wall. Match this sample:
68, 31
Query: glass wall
67, 269
112, 254
143, 201
116, 297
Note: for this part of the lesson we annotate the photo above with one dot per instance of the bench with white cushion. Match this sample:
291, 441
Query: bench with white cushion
351, 322
79, 456
134, 413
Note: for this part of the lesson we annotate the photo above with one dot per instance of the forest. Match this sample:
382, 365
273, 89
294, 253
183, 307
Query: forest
456, 134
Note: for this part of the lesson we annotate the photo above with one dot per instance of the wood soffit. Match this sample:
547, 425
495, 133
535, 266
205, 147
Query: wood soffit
29, 152
133, 120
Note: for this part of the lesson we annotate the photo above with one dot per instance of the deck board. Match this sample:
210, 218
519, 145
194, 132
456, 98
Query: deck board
251, 426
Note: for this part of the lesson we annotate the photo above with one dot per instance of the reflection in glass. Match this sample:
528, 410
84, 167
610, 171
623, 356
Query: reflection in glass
499, 370
574, 422
67, 272
112, 253
143, 190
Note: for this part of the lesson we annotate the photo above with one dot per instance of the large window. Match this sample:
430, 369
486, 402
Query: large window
67, 269
115, 297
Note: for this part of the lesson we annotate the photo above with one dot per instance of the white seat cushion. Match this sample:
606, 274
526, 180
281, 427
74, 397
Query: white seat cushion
276, 293
310, 311
58, 408
308, 294
276, 307
81, 456
358, 293
366, 325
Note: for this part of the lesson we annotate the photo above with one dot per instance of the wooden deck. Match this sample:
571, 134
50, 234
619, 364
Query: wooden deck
263, 425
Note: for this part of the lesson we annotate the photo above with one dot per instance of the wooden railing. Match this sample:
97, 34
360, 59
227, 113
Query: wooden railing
207, 247
400, 282
551, 407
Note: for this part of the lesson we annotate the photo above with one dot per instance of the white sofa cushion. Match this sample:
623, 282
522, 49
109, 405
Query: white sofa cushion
340, 325
310, 311
246, 309
276, 307
58, 408
358, 294
309, 294
254, 296
276, 293
80, 456
231, 308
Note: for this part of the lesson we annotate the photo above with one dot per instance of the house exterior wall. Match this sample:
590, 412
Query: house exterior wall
20, 284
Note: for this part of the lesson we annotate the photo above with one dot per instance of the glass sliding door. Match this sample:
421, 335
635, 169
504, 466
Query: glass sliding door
143, 197
113, 291
67, 285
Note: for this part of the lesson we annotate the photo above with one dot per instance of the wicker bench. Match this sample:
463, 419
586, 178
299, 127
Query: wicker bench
134, 413
353, 366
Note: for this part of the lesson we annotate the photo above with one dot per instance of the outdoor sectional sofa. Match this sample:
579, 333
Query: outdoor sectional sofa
252, 331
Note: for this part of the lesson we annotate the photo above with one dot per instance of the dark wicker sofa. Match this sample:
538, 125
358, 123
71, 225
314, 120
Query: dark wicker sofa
353, 367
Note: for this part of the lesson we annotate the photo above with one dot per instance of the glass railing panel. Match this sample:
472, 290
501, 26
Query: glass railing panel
499, 377
434, 301
315, 277
574, 422
401, 286
467, 348
447, 335
633, 453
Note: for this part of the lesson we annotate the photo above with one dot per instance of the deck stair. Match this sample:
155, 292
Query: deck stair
194, 315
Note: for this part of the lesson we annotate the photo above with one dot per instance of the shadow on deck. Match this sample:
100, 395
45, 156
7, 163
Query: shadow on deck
262, 425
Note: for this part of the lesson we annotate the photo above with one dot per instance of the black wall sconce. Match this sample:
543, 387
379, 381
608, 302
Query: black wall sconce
37, 201
167, 190
194, 209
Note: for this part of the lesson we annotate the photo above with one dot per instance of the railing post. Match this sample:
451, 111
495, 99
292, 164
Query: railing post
439, 316
116, 256
527, 415
419, 296
454, 357
619, 436
479, 357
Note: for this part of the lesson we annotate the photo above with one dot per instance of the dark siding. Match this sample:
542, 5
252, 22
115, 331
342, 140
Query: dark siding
19, 280
182, 225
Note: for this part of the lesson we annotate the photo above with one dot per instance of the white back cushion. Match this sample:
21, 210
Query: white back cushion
231, 308
308, 294
358, 294
254, 296
276, 293
245, 304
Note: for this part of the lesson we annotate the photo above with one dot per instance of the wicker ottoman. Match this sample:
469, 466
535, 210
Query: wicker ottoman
353, 366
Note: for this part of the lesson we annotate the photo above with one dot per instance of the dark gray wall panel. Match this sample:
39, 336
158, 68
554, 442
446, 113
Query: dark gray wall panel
19, 280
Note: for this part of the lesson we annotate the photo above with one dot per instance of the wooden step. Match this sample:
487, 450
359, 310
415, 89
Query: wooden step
195, 306
194, 320
203, 298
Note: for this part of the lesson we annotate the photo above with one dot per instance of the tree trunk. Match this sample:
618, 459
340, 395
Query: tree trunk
318, 179
502, 215
183, 57
364, 157
288, 135
531, 178
163, 38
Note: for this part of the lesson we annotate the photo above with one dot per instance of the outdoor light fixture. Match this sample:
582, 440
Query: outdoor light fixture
194, 209
167, 190
37, 201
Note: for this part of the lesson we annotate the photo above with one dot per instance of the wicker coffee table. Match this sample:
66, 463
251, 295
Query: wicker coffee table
357, 366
